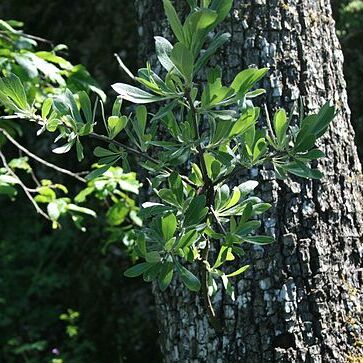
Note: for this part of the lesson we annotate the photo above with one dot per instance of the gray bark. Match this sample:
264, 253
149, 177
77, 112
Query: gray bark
300, 301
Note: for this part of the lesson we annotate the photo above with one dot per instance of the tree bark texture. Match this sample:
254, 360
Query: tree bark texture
300, 301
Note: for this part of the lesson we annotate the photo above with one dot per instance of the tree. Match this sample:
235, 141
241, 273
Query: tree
300, 299
199, 221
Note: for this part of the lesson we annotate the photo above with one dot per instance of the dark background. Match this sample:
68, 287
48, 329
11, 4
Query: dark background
42, 273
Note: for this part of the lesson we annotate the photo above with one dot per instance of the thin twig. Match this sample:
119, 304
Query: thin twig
268, 121
40, 160
137, 153
10, 117
123, 66
34, 177
214, 320
2, 36
220, 226
23, 186
39, 120
25, 35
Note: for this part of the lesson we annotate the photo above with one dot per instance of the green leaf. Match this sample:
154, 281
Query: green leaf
311, 155
85, 106
166, 275
222, 7
259, 149
152, 257
247, 187
300, 169
53, 58
65, 148
101, 152
8, 190
196, 28
176, 186
222, 197
239, 271
246, 122
216, 43
305, 139
312, 127
209, 159
182, 58
65, 102
12, 93
325, 117
141, 115
174, 20
82, 195
168, 226
163, 52
188, 279
197, 176
247, 227
225, 254
116, 125
117, 214
152, 273
116, 108
236, 195
188, 239
138, 269
222, 131
255, 93
259, 240
168, 196
196, 211
281, 124
79, 149
246, 79
98, 172
78, 209
318, 124
46, 107
136, 95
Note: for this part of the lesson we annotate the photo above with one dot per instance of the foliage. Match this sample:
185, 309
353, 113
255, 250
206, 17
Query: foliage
211, 126
33, 77
39, 273
42, 73
198, 138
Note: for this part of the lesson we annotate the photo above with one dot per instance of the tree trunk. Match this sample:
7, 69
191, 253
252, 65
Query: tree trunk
300, 300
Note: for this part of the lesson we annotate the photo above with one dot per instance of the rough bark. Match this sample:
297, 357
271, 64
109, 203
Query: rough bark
300, 301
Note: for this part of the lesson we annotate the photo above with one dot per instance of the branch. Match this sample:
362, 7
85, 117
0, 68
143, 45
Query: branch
40, 160
200, 154
215, 321
139, 154
21, 34
26, 189
208, 189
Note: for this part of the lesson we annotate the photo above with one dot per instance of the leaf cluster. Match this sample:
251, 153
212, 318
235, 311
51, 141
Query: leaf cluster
201, 135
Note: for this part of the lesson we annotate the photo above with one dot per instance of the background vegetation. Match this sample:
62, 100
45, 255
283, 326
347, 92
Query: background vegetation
62, 294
